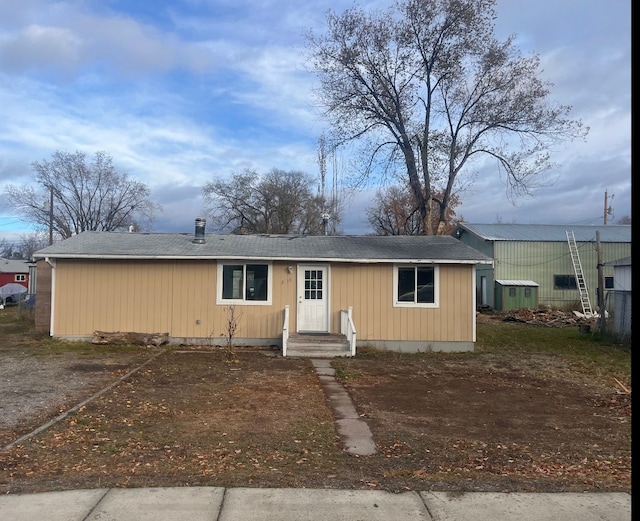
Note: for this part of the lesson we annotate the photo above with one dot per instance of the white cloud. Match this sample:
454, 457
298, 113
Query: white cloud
38, 47
178, 92
73, 40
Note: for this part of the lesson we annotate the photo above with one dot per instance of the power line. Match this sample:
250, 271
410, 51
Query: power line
9, 223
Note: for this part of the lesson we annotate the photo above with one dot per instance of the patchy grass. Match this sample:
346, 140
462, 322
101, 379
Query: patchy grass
595, 355
16, 319
532, 409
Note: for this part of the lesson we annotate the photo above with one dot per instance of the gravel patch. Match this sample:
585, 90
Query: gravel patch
31, 385
35, 384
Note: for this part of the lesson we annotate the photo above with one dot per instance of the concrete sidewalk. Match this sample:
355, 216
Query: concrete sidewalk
249, 504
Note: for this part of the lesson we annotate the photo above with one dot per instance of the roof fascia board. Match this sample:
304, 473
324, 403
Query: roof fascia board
245, 258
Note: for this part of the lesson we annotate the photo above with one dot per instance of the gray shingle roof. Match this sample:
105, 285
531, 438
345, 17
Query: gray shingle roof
548, 232
266, 247
13, 266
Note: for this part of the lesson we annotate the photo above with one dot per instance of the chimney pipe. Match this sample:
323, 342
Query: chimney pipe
199, 236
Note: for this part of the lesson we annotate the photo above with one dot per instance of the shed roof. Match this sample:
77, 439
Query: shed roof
626, 261
504, 282
369, 248
548, 232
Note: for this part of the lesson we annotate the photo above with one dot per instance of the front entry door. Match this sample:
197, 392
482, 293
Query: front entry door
313, 298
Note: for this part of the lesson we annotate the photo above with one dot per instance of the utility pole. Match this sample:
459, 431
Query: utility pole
322, 161
50, 215
599, 266
607, 208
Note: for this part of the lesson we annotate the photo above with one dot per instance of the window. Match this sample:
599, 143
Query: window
313, 288
415, 286
527, 292
564, 282
608, 283
512, 292
21, 278
240, 283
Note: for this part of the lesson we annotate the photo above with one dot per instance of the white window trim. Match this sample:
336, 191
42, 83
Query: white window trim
20, 277
436, 289
242, 302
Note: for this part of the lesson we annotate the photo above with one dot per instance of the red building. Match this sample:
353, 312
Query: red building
12, 273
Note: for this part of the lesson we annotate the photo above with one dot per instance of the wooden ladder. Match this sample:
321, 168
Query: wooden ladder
577, 268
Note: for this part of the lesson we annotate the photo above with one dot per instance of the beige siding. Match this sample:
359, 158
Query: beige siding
179, 298
369, 289
112, 296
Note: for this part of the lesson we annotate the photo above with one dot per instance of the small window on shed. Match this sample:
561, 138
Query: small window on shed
608, 283
512, 292
527, 292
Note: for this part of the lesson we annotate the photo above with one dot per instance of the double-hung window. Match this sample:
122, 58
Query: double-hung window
415, 286
244, 283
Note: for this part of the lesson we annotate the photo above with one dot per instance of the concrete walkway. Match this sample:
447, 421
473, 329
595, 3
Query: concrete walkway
253, 504
354, 432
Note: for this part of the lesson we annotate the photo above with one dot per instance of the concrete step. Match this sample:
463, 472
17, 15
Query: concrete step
318, 345
317, 353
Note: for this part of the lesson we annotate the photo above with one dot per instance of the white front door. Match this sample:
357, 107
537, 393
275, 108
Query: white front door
313, 298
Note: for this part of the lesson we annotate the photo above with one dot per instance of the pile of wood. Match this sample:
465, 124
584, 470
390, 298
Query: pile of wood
546, 317
129, 338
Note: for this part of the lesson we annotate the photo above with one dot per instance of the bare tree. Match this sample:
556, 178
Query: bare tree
8, 250
427, 85
230, 332
86, 196
278, 202
395, 212
24, 248
30, 243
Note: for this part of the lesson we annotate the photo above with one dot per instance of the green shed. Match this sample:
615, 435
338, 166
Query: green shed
516, 294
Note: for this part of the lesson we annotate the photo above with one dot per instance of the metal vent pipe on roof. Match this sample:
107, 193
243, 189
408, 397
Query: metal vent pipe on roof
199, 235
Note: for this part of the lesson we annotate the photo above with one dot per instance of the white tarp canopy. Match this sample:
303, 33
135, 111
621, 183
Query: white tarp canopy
12, 289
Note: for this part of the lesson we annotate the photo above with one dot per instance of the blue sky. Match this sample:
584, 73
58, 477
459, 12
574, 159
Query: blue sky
181, 91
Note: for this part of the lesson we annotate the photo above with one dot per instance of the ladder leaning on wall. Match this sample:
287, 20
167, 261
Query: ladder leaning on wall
577, 268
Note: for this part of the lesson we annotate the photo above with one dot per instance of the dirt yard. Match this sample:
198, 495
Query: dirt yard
492, 420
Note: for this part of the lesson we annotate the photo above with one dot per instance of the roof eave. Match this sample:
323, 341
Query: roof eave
81, 256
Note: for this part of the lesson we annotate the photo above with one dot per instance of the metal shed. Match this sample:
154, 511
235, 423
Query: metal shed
618, 299
516, 294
